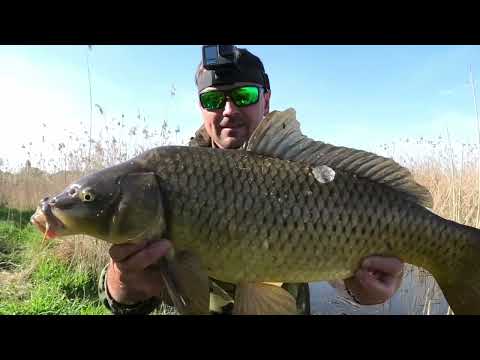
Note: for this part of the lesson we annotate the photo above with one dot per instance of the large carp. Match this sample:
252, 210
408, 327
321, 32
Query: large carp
286, 209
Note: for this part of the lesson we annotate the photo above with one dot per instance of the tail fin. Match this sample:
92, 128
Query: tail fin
461, 285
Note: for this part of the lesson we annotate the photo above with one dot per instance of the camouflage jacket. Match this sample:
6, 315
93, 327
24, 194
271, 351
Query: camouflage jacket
221, 293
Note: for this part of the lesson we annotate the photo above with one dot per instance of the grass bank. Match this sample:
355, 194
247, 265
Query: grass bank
35, 279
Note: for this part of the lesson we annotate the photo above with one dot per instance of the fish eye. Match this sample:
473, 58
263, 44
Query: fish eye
87, 195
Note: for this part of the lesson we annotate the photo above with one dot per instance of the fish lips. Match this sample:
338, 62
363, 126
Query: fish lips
44, 219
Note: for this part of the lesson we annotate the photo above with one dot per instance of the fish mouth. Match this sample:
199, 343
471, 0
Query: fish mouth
47, 222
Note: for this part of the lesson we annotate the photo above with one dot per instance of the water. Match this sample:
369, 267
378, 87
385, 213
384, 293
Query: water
419, 294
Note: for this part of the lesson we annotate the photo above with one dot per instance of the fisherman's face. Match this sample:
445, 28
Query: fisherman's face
231, 126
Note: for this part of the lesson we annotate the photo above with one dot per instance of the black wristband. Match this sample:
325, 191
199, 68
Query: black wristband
140, 308
351, 295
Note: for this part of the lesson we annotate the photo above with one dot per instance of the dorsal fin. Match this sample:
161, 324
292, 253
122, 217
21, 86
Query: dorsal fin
279, 135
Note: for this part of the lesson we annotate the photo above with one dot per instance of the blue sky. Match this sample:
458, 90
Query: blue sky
359, 96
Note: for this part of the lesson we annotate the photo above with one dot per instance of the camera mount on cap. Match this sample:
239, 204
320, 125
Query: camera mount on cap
219, 56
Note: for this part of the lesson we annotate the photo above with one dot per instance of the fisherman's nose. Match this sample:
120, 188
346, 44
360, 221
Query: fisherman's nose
230, 108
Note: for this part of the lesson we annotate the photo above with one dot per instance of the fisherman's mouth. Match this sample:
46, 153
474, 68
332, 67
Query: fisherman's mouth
232, 131
229, 131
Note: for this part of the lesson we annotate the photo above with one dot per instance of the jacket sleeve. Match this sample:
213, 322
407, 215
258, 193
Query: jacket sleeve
342, 290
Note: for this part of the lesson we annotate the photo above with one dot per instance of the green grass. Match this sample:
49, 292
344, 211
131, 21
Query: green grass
21, 218
57, 290
16, 244
33, 281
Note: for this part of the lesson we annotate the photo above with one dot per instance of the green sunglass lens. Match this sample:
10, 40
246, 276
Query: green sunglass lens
212, 100
245, 96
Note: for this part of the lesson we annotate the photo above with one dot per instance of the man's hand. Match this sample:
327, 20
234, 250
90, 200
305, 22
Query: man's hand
129, 278
376, 281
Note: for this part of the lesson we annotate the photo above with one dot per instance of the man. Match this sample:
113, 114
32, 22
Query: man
232, 105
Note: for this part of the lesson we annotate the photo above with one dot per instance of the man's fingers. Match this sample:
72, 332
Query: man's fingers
145, 257
383, 287
388, 265
123, 251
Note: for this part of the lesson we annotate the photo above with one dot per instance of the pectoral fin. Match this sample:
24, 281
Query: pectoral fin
263, 299
139, 213
218, 297
187, 283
